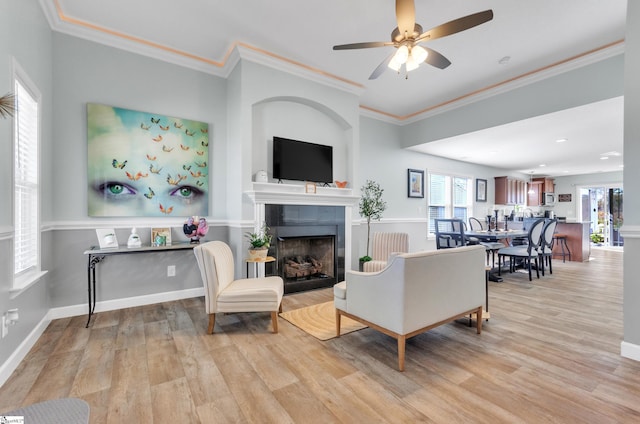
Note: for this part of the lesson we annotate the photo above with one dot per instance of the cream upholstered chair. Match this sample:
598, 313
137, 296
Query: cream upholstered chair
384, 244
415, 293
223, 293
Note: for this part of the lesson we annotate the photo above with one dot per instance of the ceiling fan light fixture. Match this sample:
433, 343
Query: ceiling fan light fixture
402, 54
412, 63
419, 53
394, 65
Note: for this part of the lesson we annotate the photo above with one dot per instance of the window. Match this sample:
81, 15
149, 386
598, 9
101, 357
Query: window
26, 242
449, 197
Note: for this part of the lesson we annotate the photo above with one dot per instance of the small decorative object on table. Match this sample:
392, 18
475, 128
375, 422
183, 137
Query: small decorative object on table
310, 188
193, 231
134, 239
106, 237
341, 184
260, 242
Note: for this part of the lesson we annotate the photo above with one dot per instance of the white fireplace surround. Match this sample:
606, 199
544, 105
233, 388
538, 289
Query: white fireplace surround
294, 194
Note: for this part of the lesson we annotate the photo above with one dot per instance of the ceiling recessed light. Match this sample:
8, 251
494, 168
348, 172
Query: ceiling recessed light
612, 153
561, 140
542, 165
604, 157
565, 171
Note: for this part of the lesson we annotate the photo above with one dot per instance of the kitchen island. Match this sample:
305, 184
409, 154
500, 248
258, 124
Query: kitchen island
578, 240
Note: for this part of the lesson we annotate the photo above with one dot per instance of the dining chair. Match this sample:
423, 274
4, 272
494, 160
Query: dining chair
526, 253
450, 233
545, 251
491, 247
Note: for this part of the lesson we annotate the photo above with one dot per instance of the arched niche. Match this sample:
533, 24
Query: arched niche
300, 119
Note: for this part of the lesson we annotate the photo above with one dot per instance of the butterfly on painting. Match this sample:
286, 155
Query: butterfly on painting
150, 194
183, 147
175, 124
204, 130
164, 128
186, 167
157, 139
189, 133
196, 174
200, 152
117, 164
137, 176
205, 143
167, 210
144, 127
199, 183
151, 157
166, 149
155, 121
201, 164
154, 170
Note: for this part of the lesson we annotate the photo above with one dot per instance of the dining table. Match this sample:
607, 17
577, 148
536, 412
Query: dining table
497, 235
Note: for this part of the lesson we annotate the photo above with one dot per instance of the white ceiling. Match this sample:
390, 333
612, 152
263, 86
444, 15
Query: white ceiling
534, 34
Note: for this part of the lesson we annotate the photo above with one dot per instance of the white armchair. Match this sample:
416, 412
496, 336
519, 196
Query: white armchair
222, 293
383, 245
415, 292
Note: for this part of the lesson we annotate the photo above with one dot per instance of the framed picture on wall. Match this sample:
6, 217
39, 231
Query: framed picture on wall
415, 183
481, 190
146, 164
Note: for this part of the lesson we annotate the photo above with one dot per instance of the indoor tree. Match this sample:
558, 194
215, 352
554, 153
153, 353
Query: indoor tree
371, 207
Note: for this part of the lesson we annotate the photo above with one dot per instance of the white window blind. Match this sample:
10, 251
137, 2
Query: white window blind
449, 197
26, 225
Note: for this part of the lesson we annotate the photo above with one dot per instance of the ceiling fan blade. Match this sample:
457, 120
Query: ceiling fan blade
457, 25
436, 59
362, 45
406, 16
381, 67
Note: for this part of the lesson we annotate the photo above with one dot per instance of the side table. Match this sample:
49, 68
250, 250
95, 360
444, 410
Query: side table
255, 263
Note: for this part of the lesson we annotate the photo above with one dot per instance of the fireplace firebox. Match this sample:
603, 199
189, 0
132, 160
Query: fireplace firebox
309, 248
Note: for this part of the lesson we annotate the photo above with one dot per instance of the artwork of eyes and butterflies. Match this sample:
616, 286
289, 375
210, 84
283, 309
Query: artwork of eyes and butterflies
144, 164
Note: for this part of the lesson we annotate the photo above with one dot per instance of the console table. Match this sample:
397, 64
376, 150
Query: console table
97, 255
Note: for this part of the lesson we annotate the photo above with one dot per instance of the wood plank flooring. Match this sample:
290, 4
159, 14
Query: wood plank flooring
549, 354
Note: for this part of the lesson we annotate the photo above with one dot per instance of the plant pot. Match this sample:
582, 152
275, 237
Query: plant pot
258, 254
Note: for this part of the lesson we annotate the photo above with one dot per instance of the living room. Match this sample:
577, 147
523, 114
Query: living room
244, 111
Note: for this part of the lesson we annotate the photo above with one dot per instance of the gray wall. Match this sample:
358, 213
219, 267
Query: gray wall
631, 228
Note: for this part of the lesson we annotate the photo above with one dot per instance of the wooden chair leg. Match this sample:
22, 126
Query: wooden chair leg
212, 321
274, 320
337, 323
401, 345
479, 320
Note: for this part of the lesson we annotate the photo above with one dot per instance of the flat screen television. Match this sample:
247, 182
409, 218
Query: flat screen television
302, 161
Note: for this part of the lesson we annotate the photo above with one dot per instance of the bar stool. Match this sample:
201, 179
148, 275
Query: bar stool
562, 241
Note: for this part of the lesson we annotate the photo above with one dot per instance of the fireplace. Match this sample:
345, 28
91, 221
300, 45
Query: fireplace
290, 211
309, 248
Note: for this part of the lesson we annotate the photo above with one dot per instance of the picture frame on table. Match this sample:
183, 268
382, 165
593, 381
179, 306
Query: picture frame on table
415, 183
161, 237
481, 190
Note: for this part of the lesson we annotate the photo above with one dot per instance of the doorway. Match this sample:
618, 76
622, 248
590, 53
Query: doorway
603, 206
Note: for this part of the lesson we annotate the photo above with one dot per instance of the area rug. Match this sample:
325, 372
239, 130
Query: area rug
320, 321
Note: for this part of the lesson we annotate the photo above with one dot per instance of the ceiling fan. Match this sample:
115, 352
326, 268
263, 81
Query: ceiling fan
408, 34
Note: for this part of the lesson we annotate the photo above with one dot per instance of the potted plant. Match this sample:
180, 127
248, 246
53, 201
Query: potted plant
371, 207
260, 242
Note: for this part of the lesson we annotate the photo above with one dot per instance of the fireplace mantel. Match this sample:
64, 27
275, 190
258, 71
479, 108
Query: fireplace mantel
290, 194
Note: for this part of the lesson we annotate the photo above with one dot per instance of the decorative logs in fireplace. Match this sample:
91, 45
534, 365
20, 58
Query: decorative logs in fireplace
301, 266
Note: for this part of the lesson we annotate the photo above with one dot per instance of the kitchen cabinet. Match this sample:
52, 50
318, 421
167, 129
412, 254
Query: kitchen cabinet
534, 194
547, 184
509, 191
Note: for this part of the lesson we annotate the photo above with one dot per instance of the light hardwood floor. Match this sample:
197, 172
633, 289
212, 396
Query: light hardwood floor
549, 354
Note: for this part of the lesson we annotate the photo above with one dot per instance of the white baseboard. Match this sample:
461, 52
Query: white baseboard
10, 365
129, 302
629, 350
19, 354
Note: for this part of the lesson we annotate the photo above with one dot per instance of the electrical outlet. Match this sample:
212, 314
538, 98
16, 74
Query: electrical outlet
171, 271
5, 327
